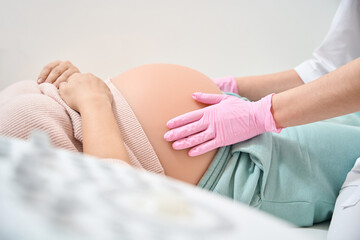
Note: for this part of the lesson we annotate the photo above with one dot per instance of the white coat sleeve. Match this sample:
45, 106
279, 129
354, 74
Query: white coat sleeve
340, 46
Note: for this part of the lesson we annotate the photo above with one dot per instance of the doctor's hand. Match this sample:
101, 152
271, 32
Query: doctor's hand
227, 84
57, 72
227, 121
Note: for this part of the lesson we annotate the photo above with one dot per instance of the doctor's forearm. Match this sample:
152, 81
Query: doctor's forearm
334, 94
256, 87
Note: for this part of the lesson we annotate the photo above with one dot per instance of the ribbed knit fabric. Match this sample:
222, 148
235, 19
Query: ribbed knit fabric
26, 106
140, 151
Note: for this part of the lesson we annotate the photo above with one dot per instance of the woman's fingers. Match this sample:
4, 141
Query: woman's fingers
65, 76
62, 85
57, 72
82, 90
46, 71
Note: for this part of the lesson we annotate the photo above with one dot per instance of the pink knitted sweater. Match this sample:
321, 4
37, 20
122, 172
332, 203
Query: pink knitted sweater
26, 106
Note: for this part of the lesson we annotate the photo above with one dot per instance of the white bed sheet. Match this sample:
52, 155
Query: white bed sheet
61, 195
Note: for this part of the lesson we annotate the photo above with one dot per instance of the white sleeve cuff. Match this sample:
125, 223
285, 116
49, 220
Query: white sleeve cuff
311, 70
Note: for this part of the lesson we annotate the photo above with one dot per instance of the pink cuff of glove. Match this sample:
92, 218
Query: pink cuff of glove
232, 85
227, 84
265, 114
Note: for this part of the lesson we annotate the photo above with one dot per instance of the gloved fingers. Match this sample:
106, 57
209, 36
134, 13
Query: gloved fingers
185, 118
208, 98
203, 148
185, 131
194, 140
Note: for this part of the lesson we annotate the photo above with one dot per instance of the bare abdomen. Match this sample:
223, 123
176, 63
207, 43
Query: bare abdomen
157, 93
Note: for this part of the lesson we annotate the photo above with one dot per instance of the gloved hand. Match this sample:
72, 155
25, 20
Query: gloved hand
227, 121
227, 84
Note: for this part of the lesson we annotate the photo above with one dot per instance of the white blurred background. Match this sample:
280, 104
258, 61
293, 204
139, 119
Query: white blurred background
227, 37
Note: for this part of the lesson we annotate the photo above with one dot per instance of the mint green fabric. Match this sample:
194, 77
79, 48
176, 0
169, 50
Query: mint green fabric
295, 175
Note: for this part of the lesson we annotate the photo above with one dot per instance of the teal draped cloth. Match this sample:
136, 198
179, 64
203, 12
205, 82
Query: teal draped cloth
295, 175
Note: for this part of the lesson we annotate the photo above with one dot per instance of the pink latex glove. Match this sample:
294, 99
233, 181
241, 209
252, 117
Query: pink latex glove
227, 84
229, 120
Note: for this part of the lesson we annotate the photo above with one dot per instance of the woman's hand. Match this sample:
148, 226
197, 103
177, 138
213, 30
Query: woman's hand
57, 72
92, 98
83, 91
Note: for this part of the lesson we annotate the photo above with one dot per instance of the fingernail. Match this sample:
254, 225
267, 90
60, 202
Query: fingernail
39, 80
175, 145
195, 94
178, 145
192, 153
167, 136
169, 124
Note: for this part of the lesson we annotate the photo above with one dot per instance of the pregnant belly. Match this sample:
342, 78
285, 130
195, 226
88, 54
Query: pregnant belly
157, 93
